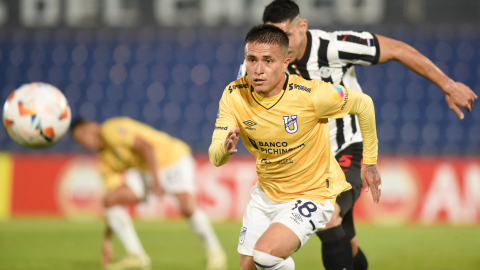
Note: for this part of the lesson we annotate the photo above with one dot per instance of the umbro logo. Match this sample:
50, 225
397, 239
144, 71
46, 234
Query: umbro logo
297, 218
250, 123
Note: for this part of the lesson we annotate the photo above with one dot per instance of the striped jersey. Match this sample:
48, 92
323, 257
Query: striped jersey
331, 57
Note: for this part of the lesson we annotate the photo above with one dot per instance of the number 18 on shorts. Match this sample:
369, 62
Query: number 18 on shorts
304, 217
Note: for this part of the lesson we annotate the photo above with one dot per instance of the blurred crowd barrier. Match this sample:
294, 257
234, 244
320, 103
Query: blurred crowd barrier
173, 79
415, 189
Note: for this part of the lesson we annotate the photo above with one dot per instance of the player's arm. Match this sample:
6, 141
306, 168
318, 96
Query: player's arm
147, 152
225, 135
456, 93
328, 104
370, 174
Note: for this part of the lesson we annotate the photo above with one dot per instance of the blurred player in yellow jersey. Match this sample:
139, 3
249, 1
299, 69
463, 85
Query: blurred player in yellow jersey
283, 121
149, 160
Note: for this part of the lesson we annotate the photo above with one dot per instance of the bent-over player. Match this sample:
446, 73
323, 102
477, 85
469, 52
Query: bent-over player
283, 122
331, 57
162, 164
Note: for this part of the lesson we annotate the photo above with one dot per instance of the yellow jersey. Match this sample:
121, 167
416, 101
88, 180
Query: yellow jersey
118, 155
289, 135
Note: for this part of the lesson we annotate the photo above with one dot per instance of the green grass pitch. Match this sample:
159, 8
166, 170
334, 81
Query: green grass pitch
58, 244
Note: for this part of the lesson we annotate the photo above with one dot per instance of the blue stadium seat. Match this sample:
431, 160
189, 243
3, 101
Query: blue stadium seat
173, 79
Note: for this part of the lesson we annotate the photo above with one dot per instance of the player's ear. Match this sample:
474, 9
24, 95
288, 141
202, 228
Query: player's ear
303, 25
285, 63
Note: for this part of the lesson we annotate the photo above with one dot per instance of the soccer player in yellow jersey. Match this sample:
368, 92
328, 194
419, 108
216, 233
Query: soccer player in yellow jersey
147, 159
283, 121
331, 57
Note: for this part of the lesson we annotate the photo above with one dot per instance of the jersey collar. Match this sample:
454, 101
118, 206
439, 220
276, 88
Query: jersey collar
283, 93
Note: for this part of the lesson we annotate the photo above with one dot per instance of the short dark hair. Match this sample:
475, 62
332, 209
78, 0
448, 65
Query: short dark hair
77, 122
267, 34
280, 10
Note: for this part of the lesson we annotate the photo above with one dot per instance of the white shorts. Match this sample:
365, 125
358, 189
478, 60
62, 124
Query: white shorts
303, 217
175, 178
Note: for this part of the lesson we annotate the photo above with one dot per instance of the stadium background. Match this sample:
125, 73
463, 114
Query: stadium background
166, 63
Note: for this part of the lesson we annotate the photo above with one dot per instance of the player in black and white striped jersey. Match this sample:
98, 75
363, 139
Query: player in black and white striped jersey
331, 57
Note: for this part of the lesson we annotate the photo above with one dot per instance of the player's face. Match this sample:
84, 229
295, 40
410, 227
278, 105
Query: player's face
88, 136
266, 65
296, 31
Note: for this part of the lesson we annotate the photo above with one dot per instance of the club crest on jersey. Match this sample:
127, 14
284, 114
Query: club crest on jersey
325, 72
291, 126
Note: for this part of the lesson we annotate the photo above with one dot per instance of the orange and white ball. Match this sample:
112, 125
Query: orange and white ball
36, 115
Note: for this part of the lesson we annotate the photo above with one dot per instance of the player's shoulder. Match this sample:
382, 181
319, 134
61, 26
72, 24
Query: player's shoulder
317, 33
339, 35
302, 85
115, 123
308, 87
239, 85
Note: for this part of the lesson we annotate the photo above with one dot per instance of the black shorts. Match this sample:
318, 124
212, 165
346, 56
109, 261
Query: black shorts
350, 160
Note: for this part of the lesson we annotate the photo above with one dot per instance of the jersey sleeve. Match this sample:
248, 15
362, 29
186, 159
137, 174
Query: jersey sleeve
364, 109
332, 101
335, 101
225, 122
358, 48
242, 71
119, 133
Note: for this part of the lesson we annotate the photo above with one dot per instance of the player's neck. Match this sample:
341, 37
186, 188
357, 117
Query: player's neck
275, 91
303, 48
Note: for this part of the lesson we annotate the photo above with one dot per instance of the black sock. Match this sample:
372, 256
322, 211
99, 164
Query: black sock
360, 261
336, 249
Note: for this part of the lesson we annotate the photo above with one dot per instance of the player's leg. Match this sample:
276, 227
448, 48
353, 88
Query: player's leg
246, 262
256, 220
178, 179
352, 173
120, 222
342, 238
359, 259
336, 246
198, 221
274, 247
291, 228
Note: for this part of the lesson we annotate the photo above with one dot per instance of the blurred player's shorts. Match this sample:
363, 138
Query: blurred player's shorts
176, 178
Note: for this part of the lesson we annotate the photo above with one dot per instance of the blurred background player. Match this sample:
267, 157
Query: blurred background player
298, 177
331, 57
161, 164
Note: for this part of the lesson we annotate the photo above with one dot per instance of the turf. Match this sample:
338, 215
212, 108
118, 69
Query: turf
57, 244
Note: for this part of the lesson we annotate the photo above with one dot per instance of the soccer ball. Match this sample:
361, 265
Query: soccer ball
36, 115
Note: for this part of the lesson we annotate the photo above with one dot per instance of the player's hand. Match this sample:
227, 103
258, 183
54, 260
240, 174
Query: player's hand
231, 141
459, 95
107, 251
372, 181
156, 188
